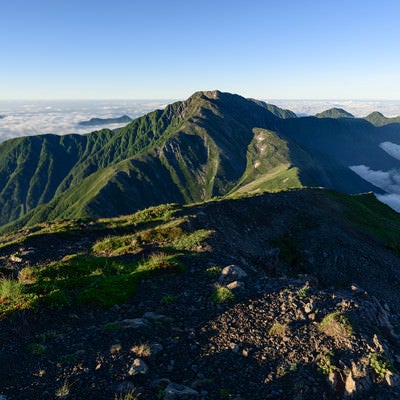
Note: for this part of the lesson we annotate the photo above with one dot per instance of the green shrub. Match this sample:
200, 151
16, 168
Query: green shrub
337, 325
10, 289
380, 365
213, 272
324, 363
278, 329
222, 295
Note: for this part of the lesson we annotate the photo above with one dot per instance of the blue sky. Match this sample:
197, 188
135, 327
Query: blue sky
167, 49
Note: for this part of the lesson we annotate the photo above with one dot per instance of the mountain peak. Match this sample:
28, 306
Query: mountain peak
334, 112
378, 119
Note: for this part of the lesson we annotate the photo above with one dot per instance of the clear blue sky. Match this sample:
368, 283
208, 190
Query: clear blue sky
342, 49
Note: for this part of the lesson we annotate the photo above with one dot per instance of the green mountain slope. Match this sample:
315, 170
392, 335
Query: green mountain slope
378, 119
213, 144
334, 113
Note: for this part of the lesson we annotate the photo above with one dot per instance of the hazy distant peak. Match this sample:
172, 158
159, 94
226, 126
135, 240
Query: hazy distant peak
104, 121
334, 113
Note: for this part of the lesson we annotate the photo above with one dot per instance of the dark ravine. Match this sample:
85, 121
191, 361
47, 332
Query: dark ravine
315, 310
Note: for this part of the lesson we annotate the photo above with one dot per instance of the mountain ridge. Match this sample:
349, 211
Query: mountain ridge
192, 150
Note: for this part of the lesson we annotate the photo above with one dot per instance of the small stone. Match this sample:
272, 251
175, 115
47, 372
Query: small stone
235, 285
232, 273
174, 391
308, 307
138, 367
245, 353
156, 317
156, 348
234, 347
134, 323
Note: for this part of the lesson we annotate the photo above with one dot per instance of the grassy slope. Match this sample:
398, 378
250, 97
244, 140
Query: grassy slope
103, 278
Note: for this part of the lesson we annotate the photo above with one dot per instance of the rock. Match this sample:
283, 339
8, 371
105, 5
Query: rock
134, 323
174, 391
234, 347
156, 317
15, 258
308, 307
349, 384
156, 348
231, 273
138, 367
235, 285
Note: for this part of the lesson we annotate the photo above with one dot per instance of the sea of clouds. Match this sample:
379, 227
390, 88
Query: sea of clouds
359, 108
26, 118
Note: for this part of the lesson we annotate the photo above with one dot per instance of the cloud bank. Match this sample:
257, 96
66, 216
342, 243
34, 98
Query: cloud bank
62, 117
359, 108
389, 181
392, 149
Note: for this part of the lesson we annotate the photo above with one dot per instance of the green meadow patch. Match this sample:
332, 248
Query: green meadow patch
82, 279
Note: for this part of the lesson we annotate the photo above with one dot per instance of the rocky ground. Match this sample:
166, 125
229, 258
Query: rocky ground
279, 336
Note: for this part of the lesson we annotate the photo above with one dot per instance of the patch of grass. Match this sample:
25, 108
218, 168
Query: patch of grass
10, 289
168, 299
116, 245
293, 367
63, 390
380, 365
337, 325
324, 364
278, 329
304, 291
213, 272
141, 350
84, 279
191, 240
129, 395
222, 295
113, 326
36, 349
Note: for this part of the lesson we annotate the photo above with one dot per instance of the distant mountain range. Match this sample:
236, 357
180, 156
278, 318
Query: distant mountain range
212, 144
105, 121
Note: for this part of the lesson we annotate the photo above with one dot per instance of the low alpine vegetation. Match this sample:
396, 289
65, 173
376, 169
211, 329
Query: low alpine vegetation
222, 295
337, 325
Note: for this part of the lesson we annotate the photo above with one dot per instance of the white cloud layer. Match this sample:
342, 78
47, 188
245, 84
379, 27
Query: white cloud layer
392, 149
62, 117
392, 200
389, 181
359, 108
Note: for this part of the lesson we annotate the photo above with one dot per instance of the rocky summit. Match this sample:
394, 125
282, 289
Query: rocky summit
290, 295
